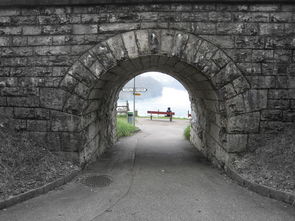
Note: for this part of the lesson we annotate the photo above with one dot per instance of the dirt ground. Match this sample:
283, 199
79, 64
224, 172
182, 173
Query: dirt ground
24, 165
272, 164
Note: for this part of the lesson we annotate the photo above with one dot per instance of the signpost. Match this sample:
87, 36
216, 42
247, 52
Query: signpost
131, 89
135, 91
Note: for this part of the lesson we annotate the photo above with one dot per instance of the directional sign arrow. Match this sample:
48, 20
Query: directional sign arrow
137, 89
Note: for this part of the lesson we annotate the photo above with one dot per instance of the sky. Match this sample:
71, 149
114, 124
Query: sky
170, 93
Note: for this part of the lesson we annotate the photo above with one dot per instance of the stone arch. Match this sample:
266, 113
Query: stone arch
218, 90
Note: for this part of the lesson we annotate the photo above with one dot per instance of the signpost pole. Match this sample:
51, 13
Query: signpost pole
134, 101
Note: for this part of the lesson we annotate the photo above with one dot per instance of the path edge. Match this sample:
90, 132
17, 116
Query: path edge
261, 189
38, 191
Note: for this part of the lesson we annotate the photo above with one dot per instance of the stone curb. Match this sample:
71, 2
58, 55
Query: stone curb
38, 191
261, 189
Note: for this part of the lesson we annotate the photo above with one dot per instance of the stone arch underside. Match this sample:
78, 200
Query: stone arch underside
222, 114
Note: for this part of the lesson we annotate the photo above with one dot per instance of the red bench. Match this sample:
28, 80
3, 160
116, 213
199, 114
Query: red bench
167, 114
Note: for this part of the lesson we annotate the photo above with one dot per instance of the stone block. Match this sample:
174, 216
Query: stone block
142, 39
71, 142
9, 12
222, 41
88, 59
57, 29
291, 93
291, 82
61, 121
278, 104
82, 74
271, 29
130, 44
237, 28
5, 21
255, 100
281, 17
52, 50
82, 90
251, 17
31, 30
53, 98
3, 101
40, 40
75, 105
226, 75
116, 27
20, 125
23, 20
38, 125
32, 101
191, 48
263, 55
289, 116
203, 28
272, 127
227, 91
19, 41
167, 41
6, 112
31, 113
219, 16
48, 140
278, 94
4, 41
262, 82
250, 42
235, 105
85, 29
264, 7
117, 47
236, 143
10, 30
179, 45
155, 41
272, 115
244, 123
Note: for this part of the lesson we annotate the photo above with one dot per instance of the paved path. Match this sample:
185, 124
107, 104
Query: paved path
158, 176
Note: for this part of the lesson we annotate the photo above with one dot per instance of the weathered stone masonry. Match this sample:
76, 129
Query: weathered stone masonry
62, 67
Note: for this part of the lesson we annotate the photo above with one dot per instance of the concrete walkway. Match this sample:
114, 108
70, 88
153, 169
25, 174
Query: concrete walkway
156, 175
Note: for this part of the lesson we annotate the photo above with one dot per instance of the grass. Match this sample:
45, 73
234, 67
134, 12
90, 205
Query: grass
187, 132
124, 128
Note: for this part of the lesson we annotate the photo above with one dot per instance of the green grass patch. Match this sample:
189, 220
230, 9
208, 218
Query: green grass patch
124, 128
187, 132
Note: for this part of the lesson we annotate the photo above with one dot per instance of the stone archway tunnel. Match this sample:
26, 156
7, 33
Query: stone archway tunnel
62, 68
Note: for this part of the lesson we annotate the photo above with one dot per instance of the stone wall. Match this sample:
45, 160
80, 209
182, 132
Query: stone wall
61, 69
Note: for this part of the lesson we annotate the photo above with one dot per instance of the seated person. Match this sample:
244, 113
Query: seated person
168, 112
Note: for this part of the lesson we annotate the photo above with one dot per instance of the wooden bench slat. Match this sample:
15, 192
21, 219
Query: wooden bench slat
160, 112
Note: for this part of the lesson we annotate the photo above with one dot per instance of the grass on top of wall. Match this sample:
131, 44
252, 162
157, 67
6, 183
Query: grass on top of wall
124, 128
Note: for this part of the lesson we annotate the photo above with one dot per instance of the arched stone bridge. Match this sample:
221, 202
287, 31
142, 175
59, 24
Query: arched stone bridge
63, 64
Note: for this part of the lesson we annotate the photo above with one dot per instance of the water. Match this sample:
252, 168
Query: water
177, 100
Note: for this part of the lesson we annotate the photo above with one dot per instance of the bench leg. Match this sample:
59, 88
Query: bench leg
151, 117
171, 118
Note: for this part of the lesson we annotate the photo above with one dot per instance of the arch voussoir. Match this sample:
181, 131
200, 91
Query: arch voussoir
218, 86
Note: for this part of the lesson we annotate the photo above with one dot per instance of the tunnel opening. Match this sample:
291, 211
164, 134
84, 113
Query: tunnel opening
215, 84
154, 91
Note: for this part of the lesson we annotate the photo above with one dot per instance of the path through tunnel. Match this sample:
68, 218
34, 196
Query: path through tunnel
215, 85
